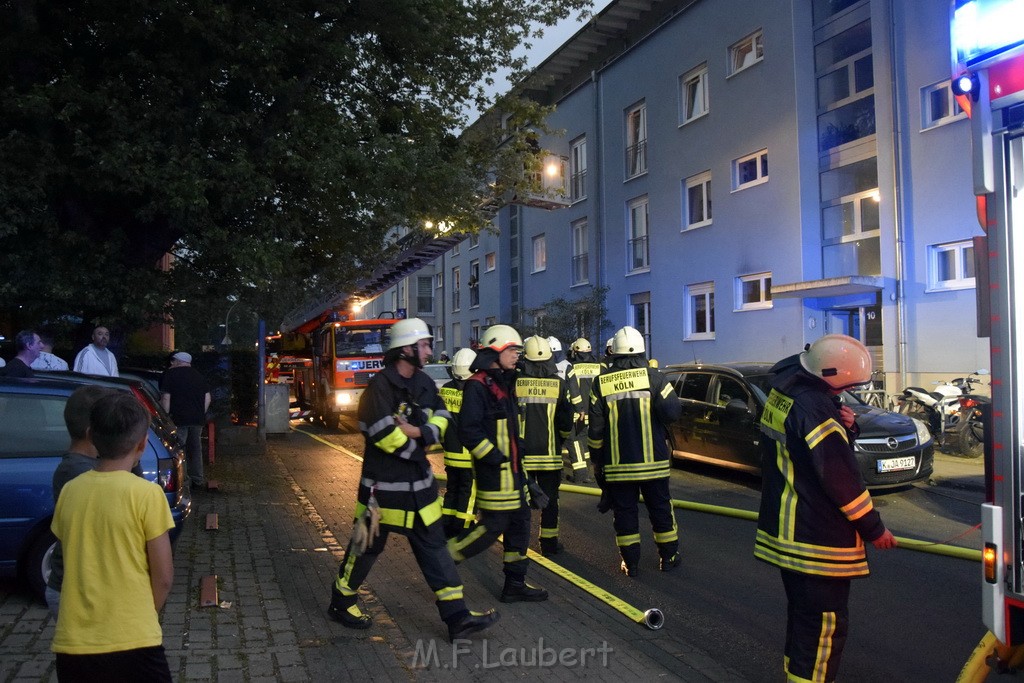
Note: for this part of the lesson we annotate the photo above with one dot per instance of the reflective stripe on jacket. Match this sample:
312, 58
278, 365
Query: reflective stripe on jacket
545, 419
489, 428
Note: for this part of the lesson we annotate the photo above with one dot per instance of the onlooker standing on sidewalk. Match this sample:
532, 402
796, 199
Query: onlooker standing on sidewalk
96, 358
630, 407
28, 346
185, 395
47, 361
814, 507
400, 415
118, 567
79, 458
489, 429
546, 418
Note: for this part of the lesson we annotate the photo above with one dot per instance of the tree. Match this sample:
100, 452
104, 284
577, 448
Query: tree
585, 316
268, 146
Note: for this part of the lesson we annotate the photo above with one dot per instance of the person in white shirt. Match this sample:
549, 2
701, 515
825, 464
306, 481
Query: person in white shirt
96, 359
47, 360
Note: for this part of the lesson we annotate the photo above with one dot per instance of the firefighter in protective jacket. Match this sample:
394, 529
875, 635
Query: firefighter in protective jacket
459, 495
631, 406
489, 429
815, 510
545, 418
580, 378
400, 415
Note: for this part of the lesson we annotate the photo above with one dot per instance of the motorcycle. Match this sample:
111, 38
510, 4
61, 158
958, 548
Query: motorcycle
971, 434
941, 409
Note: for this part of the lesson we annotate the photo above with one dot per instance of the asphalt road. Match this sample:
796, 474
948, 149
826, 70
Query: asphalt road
917, 618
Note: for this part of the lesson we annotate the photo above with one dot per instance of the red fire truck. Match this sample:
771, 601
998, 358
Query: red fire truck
345, 354
988, 79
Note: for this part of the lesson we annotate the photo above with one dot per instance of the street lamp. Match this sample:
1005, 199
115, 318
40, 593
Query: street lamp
226, 341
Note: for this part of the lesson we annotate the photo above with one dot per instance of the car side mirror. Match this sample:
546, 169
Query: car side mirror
737, 407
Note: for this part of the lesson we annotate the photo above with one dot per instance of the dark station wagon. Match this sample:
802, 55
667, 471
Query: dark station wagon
722, 405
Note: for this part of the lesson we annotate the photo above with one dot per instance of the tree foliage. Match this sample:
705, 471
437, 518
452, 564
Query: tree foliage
268, 146
569, 319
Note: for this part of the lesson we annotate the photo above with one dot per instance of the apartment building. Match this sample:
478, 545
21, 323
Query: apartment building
744, 177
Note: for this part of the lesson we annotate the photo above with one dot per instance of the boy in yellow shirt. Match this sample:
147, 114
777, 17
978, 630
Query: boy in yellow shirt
118, 567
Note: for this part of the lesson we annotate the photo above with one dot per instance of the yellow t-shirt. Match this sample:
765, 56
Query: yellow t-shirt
103, 520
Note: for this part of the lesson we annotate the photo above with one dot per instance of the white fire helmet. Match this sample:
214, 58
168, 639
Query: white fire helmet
461, 362
407, 332
500, 337
581, 345
554, 344
840, 360
537, 349
628, 342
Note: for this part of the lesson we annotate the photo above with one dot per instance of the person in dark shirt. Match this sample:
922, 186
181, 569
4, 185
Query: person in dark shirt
185, 395
28, 345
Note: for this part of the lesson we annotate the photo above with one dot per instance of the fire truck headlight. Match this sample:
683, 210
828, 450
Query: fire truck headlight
923, 435
341, 366
342, 398
988, 560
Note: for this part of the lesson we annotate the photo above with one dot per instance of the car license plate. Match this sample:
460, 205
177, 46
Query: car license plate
897, 464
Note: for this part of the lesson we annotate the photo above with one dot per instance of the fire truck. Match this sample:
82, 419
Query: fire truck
344, 354
987, 40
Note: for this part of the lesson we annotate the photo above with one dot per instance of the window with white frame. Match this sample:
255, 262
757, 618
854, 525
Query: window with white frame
754, 292
938, 106
638, 249
456, 249
693, 94
456, 285
746, 52
540, 253
850, 220
490, 261
439, 280
474, 284
750, 170
580, 252
951, 266
438, 334
640, 317
474, 331
697, 201
474, 241
456, 335
636, 140
490, 320
578, 170
700, 311
424, 295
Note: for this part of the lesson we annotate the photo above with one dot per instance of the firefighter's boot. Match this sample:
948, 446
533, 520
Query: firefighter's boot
630, 560
517, 590
471, 622
550, 546
670, 562
346, 612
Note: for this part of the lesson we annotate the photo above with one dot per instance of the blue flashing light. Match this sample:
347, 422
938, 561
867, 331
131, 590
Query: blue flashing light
983, 31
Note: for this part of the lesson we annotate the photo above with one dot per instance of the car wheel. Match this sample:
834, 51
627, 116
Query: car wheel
968, 443
37, 561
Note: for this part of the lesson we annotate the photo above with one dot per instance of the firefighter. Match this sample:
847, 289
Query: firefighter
489, 429
273, 370
545, 417
400, 414
631, 405
561, 363
459, 496
580, 378
815, 510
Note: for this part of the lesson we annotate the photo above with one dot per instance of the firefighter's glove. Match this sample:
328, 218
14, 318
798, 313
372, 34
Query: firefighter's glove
367, 528
538, 499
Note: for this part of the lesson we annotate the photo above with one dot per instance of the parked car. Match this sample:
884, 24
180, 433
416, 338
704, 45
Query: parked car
438, 372
32, 438
722, 406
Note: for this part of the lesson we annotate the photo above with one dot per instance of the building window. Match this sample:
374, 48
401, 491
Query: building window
951, 266
491, 320
424, 295
638, 248
747, 52
490, 262
456, 335
938, 106
693, 94
700, 313
640, 317
578, 170
439, 280
844, 69
636, 141
456, 286
540, 253
754, 292
750, 170
456, 248
474, 241
580, 253
850, 221
474, 284
697, 201
474, 332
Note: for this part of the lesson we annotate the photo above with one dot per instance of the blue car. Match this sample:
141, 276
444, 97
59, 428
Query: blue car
32, 439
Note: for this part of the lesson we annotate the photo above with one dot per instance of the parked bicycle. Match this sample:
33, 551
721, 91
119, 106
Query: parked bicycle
873, 393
